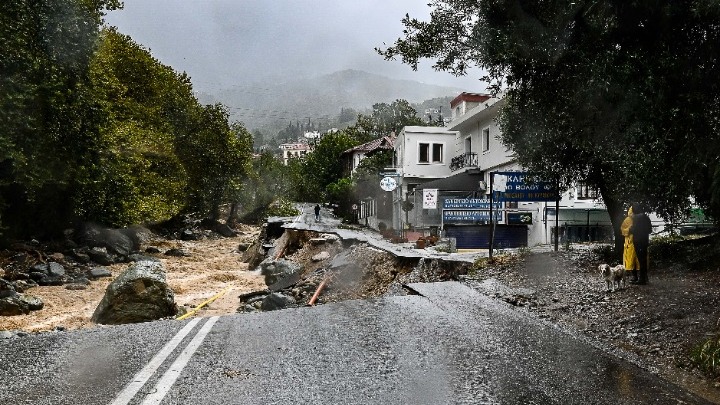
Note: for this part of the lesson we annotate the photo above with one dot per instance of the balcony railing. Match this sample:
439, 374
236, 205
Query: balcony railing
468, 159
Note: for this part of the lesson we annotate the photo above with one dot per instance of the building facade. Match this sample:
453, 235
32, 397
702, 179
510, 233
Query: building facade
453, 165
297, 150
422, 154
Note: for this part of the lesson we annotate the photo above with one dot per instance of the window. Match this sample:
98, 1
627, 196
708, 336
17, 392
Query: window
486, 139
430, 153
585, 192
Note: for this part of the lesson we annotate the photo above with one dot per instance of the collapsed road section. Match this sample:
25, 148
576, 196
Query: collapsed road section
307, 265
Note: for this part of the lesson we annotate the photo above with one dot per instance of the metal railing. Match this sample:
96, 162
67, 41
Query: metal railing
468, 159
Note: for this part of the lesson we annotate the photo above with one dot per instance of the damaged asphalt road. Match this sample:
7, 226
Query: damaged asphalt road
448, 345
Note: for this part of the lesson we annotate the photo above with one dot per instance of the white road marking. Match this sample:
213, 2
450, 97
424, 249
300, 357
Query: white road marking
172, 374
127, 394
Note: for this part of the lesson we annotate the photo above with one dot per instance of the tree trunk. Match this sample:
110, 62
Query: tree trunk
617, 215
233, 216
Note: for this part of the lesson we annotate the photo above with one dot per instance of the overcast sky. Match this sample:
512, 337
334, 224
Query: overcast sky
221, 43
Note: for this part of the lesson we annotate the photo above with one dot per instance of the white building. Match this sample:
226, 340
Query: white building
422, 154
296, 150
458, 160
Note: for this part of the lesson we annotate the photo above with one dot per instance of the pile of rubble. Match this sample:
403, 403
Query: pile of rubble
306, 268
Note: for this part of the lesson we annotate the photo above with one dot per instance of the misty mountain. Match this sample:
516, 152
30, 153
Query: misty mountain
271, 106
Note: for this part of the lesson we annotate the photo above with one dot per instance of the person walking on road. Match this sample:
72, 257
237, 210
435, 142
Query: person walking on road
640, 230
317, 212
630, 258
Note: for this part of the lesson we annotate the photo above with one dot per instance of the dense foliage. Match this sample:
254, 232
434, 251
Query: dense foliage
324, 176
622, 95
385, 119
95, 129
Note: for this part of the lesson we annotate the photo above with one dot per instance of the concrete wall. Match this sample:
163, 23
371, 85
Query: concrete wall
407, 149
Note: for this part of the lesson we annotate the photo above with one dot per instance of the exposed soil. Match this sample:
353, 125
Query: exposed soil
655, 325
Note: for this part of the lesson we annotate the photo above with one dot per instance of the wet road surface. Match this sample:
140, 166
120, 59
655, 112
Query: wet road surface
447, 345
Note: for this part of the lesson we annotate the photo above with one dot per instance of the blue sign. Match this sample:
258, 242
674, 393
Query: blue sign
470, 203
469, 216
516, 186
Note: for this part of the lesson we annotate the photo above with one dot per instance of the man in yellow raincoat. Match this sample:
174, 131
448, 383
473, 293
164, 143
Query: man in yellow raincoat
630, 258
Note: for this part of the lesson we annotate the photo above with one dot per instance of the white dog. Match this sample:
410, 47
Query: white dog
614, 276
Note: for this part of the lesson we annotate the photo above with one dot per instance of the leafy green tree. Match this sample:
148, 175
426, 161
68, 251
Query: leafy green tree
136, 175
347, 115
621, 95
384, 119
258, 139
341, 194
50, 119
322, 167
267, 181
367, 174
213, 153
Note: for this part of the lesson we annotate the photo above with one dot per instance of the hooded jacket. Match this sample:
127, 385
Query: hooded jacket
630, 259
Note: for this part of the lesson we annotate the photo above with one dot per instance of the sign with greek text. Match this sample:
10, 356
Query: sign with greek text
470, 203
388, 184
469, 216
430, 198
518, 187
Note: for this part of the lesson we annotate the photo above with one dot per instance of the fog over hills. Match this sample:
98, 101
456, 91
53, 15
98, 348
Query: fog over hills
270, 106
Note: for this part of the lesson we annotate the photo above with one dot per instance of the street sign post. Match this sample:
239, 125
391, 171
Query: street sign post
515, 186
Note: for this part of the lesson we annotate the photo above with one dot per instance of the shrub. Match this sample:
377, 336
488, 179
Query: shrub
605, 253
707, 356
282, 208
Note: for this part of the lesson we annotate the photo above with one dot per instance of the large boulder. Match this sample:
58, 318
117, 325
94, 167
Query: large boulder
12, 303
115, 241
101, 255
7, 289
276, 270
46, 274
139, 235
139, 294
276, 301
19, 304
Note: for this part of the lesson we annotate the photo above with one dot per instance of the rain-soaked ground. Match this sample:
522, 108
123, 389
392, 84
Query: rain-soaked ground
446, 344
656, 325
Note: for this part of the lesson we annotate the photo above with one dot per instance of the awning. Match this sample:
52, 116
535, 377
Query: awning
460, 182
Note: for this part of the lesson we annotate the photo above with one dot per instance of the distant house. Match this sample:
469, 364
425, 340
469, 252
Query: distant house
297, 150
352, 157
375, 207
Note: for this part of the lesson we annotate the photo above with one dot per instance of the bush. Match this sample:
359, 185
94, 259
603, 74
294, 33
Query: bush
606, 253
282, 208
707, 356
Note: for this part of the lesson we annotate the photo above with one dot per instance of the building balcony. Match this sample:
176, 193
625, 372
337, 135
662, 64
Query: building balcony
468, 159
